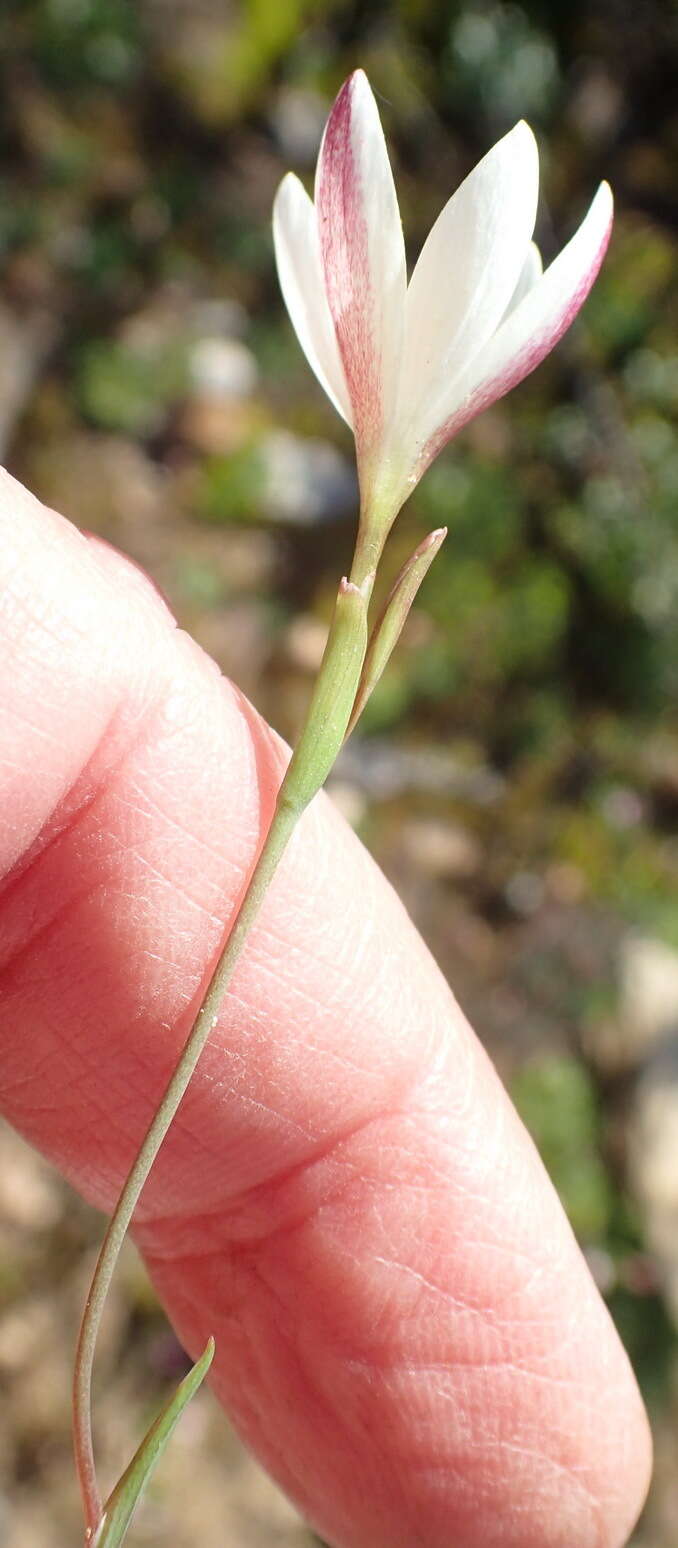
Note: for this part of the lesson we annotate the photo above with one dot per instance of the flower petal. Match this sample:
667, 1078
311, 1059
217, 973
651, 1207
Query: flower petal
531, 271
466, 275
530, 330
297, 252
363, 257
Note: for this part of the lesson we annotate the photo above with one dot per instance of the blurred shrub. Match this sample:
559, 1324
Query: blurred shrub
557, 1102
120, 388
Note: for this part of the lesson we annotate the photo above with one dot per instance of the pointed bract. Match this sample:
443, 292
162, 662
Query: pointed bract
409, 367
332, 702
392, 619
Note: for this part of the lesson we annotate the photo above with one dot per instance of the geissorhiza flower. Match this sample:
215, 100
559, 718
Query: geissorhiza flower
408, 365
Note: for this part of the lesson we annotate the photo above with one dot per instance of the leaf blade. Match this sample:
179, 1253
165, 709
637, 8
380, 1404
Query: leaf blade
124, 1498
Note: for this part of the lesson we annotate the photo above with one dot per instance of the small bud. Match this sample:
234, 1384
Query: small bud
332, 702
388, 627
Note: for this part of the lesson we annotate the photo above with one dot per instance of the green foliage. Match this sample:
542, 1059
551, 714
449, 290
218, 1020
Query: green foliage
557, 1102
498, 57
650, 1338
232, 488
246, 44
120, 388
481, 507
83, 41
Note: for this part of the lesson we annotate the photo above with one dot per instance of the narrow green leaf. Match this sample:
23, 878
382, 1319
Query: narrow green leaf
332, 701
389, 624
121, 1503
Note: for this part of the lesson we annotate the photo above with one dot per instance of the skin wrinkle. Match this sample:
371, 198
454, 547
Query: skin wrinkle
305, 1371
301, 1170
351, 947
285, 972
426, 1369
552, 1517
135, 854
309, 1369
38, 732
338, 1058
346, 947
147, 807
294, 1475
447, 1474
284, 1228
484, 1308
132, 749
112, 1114
30, 830
38, 619
407, 1271
40, 935
550, 1465
97, 1118
71, 808
67, 812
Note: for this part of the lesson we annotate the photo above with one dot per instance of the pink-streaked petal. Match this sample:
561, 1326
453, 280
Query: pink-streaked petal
530, 273
297, 252
363, 257
530, 331
467, 273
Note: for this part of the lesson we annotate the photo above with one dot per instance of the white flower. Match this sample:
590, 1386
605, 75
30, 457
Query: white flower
408, 365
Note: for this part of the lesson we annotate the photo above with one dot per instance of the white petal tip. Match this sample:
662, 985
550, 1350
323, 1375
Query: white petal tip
518, 149
535, 259
358, 82
605, 198
354, 103
286, 193
599, 220
521, 132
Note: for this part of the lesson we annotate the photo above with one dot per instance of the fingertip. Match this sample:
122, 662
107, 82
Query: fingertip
116, 564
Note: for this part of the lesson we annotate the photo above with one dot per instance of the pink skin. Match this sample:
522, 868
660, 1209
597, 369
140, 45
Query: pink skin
406, 1332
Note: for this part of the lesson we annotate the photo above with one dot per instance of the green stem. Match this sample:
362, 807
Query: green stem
376, 519
282, 825
364, 567
321, 738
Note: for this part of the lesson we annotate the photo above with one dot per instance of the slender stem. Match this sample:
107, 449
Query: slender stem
339, 676
281, 828
363, 569
376, 519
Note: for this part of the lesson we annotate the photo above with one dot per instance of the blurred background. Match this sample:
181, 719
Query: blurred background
516, 774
